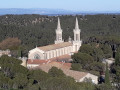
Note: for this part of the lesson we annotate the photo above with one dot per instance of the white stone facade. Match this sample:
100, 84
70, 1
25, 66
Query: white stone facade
60, 47
93, 78
34, 52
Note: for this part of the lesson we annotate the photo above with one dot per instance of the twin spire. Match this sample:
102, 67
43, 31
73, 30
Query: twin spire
59, 26
59, 32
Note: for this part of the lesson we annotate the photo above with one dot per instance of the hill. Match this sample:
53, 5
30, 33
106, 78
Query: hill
39, 30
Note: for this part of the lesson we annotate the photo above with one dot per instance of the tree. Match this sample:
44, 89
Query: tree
82, 58
38, 76
10, 43
93, 51
105, 87
107, 50
107, 77
86, 48
55, 72
117, 79
97, 66
116, 69
33, 87
4, 81
20, 81
76, 66
86, 86
98, 54
117, 59
61, 83
10, 66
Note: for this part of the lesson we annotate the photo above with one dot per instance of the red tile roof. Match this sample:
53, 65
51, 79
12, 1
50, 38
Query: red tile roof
60, 58
46, 67
65, 68
53, 63
36, 61
66, 64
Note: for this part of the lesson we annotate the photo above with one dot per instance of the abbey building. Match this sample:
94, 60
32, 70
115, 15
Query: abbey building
60, 47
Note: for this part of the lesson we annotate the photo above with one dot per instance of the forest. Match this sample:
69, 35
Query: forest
20, 33
36, 30
14, 76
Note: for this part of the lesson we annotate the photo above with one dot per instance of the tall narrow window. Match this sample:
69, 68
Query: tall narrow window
77, 37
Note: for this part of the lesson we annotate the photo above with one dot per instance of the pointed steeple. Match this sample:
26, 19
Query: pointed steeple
58, 33
76, 31
77, 41
76, 24
58, 26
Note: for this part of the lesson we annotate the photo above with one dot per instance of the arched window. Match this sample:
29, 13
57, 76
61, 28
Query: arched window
36, 56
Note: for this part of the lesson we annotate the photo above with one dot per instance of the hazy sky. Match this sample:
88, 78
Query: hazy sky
82, 5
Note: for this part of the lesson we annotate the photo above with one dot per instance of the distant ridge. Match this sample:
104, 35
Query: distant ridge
44, 11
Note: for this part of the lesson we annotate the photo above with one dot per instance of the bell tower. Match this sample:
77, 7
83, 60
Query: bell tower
76, 42
58, 33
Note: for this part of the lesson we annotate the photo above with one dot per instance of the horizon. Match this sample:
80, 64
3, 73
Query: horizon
71, 5
97, 11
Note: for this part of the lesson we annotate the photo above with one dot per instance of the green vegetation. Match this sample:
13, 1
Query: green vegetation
107, 77
39, 30
19, 52
55, 72
20, 33
117, 59
16, 77
89, 58
115, 70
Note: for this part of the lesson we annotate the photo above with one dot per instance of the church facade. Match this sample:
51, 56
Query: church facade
60, 47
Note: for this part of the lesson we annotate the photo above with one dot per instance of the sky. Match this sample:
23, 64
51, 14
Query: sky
77, 5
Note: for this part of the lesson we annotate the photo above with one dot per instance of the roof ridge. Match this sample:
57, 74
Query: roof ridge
55, 46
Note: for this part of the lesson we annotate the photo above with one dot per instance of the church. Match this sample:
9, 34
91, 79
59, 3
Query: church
59, 48
59, 55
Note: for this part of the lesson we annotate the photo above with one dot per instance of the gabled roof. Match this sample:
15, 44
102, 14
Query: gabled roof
46, 67
38, 62
65, 67
47, 64
55, 46
75, 74
58, 59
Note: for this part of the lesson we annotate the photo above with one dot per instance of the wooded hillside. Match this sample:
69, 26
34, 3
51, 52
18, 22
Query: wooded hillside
39, 30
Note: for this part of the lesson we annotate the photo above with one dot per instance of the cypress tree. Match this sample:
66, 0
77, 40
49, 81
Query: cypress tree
107, 77
117, 58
